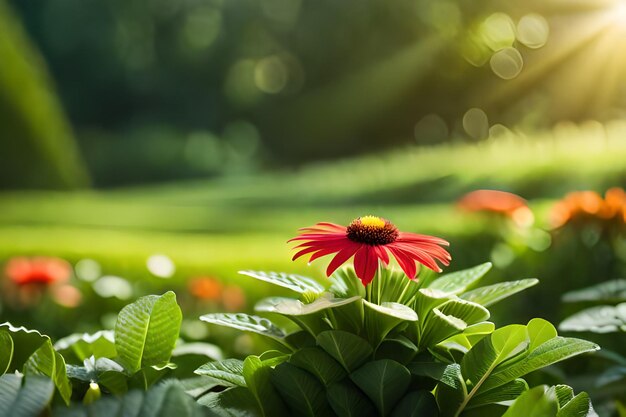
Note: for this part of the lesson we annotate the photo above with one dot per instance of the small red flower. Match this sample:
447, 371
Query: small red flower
38, 270
370, 239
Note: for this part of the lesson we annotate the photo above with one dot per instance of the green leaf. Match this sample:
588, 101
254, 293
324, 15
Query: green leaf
478, 364
257, 374
232, 402
600, 319
146, 331
451, 394
536, 402
106, 372
347, 400
346, 348
506, 392
316, 317
6, 352
319, 363
564, 394
384, 382
548, 353
208, 350
502, 344
85, 345
381, 319
241, 321
303, 393
398, 348
539, 332
416, 404
268, 304
229, 371
166, 399
48, 362
25, 343
27, 400
471, 335
457, 282
297, 283
607, 292
579, 406
469, 312
346, 284
491, 294
437, 327
426, 299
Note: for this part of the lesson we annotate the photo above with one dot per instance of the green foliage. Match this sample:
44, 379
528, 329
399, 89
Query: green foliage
48, 362
246, 322
607, 292
297, 283
33, 127
395, 354
229, 371
544, 401
166, 399
599, 319
25, 343
79, 347
383, 381
24, 397
146, 331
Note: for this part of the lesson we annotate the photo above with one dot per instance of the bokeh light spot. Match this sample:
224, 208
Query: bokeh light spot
498, 31
111, 286
240, 86
88, 270
202, 27
271, 75
533, 30
476, 123
161, 266
507, 63
431, 129
203, 151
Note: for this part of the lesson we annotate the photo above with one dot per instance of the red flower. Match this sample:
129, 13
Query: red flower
370, 239
39, 270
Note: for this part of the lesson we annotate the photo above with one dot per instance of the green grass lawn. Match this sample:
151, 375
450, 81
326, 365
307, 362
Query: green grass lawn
220, 226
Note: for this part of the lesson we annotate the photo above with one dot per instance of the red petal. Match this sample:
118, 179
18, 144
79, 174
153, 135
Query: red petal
366, 263
382, 254
414, 237
406, 262
342, 256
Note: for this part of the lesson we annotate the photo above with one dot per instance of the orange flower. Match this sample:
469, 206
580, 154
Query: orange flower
588, 205
38, 270
206, 288
498, 202
233, 298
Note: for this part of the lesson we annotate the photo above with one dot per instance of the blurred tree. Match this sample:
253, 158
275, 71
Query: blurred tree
38, 147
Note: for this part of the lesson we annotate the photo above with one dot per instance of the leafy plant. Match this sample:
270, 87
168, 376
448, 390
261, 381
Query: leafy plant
396, 347
88, 367
606, 321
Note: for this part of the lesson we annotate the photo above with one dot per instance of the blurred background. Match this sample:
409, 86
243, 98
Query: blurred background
152, 145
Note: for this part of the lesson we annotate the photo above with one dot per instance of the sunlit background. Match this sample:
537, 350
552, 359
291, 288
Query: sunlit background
148, 145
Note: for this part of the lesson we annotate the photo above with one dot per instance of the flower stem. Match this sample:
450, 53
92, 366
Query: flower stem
403, 293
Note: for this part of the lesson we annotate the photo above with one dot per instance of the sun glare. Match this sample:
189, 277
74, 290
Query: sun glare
620, 12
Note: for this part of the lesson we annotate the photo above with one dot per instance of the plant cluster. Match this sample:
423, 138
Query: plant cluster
371, 343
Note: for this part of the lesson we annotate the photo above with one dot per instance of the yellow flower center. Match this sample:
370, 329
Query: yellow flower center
372, 221
372, 230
